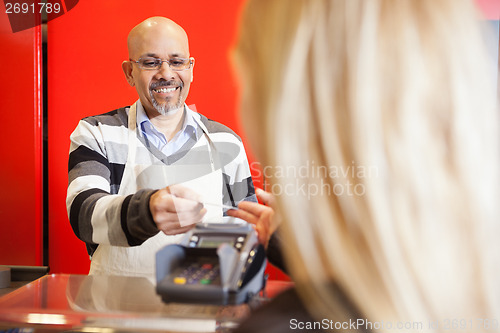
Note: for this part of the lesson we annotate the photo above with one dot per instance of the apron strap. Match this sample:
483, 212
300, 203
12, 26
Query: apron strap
132, 140
211, 147
212, 150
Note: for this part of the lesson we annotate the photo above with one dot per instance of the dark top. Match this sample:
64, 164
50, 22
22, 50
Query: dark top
287, 313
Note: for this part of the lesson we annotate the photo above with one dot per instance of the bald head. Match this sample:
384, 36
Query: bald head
162, 90
147, 31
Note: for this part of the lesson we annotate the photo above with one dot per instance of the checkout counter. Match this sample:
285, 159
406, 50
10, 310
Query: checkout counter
207, 283
81, 303
189, 296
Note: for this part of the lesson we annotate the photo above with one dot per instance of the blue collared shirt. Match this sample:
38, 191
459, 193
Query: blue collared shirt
158, 140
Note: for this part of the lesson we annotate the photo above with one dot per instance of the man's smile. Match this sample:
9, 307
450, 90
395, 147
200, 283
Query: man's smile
166, 95
165, 90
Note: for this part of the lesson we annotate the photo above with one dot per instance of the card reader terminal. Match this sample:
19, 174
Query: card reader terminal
216, 263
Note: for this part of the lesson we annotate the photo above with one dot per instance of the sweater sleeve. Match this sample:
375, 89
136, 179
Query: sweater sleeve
96, 215
274, 251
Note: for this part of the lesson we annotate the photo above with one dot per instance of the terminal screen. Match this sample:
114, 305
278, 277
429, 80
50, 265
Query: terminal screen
213, 242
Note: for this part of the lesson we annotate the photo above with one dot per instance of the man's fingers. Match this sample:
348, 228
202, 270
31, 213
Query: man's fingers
180, 205
173, 204
175, 223
174, 215
182, 218
175, 231
188, 218
181, 191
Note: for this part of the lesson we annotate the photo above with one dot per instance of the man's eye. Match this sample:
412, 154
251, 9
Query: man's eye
150, 62
177, 62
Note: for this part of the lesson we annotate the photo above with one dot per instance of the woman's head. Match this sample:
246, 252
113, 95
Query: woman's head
380, 120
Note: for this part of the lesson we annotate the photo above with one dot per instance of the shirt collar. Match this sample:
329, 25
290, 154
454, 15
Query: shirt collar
189, 120
189, 124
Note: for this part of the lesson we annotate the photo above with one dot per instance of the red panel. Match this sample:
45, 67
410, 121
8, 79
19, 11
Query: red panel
21, 146
86, 47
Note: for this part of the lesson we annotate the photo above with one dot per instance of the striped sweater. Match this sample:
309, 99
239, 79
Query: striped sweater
98, 153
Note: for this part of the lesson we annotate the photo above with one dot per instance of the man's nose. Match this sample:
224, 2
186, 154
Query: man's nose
165, 71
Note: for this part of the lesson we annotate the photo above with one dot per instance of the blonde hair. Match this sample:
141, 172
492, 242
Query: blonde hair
404, 88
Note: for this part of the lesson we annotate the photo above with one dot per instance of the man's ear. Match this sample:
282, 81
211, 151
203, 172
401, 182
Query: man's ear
127, 70
192, 69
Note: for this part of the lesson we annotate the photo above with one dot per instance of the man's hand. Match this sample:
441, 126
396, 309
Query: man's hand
176, 209
261, 215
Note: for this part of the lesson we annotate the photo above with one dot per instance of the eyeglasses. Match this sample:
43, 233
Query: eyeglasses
176, 64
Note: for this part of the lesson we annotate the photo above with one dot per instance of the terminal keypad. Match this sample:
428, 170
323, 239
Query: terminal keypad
198, 273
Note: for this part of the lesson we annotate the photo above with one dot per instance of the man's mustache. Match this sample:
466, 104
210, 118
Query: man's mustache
167, 84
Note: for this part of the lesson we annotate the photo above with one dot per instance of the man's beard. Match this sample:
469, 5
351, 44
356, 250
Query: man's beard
167, 107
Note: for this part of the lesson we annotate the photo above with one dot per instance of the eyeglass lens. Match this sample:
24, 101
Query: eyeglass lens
155, 63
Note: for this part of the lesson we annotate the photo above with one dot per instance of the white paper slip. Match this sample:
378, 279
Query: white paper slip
218, 205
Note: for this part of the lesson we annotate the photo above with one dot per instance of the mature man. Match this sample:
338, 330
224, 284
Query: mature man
141, 176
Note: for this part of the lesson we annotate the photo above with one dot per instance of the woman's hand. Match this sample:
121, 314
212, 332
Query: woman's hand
262, 215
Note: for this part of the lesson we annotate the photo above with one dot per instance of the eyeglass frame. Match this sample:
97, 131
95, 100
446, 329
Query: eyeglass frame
191, 63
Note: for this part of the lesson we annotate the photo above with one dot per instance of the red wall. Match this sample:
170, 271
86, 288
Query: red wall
86, 47
21, 146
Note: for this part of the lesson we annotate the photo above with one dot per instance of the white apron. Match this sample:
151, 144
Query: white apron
140, 260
